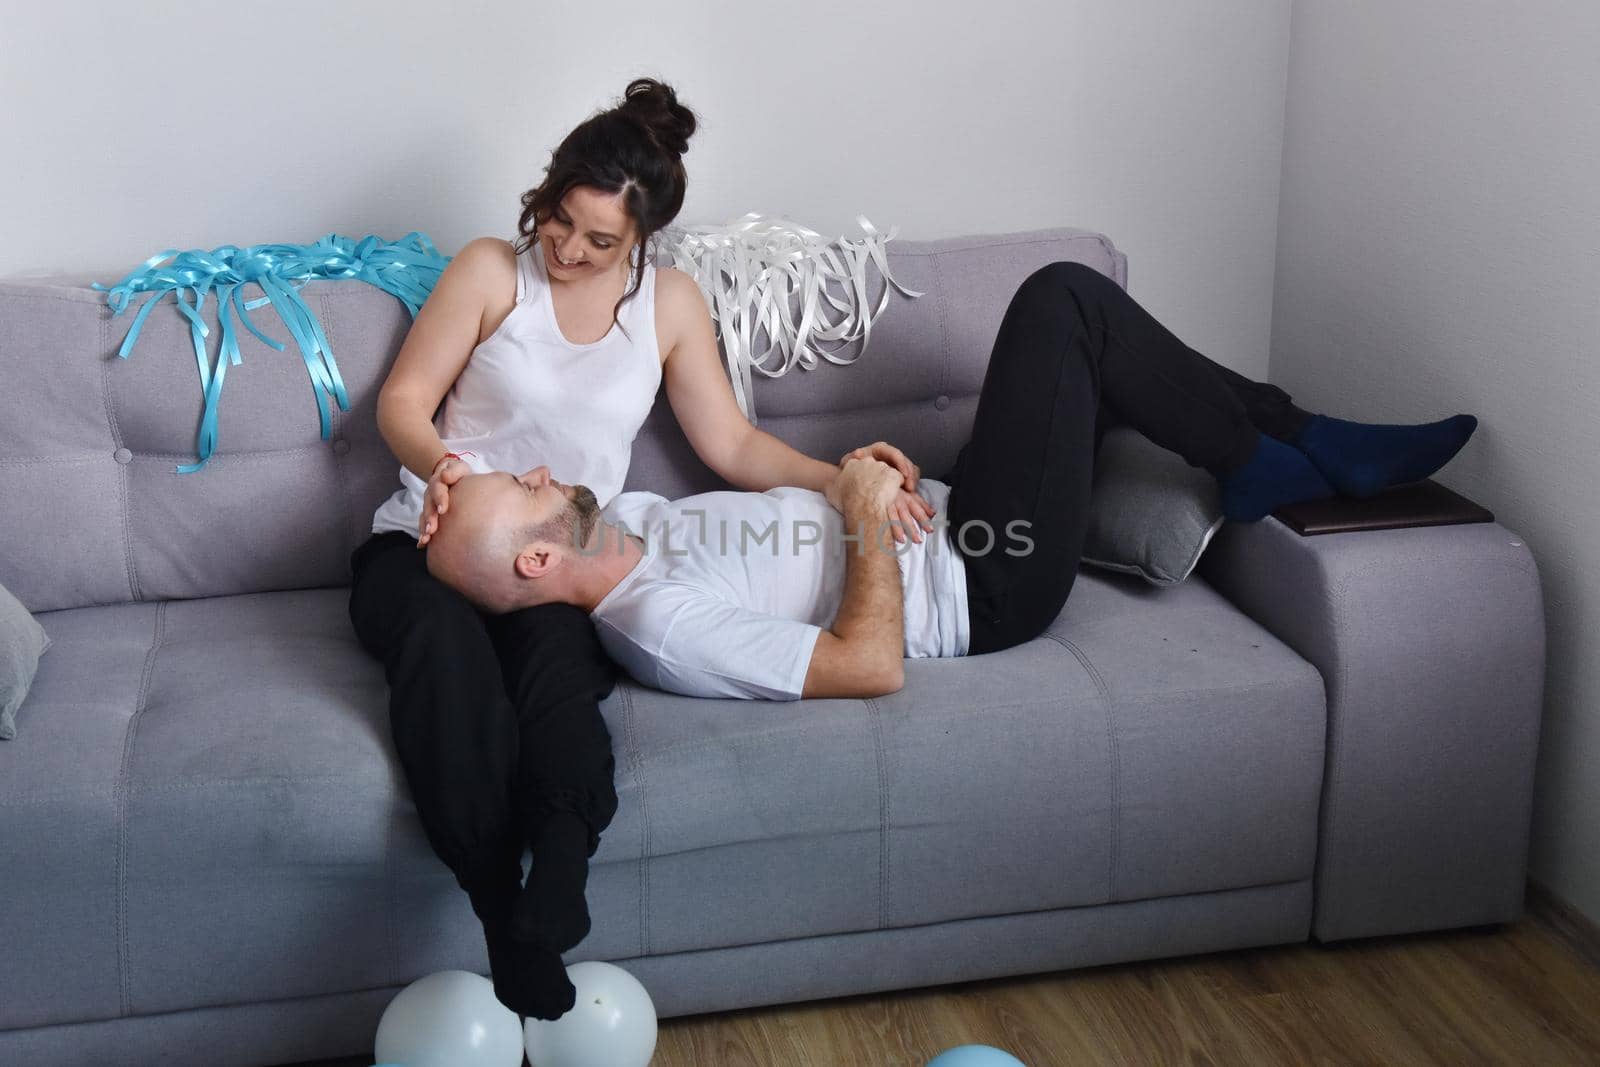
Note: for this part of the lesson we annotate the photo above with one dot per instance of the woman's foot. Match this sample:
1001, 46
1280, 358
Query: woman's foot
1275, 475
1362, 458
528, 979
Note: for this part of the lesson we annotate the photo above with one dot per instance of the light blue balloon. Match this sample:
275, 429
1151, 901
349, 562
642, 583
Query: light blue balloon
975, 1056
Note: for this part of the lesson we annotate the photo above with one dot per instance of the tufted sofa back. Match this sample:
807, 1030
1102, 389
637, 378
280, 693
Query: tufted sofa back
94, 512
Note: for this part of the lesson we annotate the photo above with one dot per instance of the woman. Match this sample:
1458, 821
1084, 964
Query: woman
547, 351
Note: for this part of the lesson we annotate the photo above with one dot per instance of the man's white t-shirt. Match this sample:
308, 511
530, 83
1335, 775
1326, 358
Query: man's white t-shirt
734, 588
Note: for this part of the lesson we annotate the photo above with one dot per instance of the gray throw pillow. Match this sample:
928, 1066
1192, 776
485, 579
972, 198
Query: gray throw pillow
1150, 513
22, 642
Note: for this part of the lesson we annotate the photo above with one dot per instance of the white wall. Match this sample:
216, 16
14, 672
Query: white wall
1439, 251
177, 125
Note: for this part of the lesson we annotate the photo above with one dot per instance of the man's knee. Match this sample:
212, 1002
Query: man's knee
1053, 278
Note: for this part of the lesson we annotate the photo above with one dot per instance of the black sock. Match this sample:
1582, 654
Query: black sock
528, 979
551, 911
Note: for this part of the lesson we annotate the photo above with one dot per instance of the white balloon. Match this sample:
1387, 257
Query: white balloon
449, 1019
612, 1023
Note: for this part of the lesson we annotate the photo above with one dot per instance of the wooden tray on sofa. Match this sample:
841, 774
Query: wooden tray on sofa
1424, 503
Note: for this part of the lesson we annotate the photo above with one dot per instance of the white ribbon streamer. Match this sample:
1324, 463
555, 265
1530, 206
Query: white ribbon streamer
748, 271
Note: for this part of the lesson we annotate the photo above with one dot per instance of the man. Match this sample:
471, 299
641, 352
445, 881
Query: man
774, 595
704, 603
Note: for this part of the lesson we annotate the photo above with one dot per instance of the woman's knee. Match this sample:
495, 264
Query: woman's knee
401, 610
551, 652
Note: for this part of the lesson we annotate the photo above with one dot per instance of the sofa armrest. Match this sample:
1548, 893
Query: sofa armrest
1430, 641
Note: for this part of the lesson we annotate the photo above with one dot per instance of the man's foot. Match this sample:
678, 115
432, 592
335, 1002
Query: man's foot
528, 979
1276, 474
1362, 458
551, 911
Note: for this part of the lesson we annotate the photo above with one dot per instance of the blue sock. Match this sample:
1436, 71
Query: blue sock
1276, 474
1362, 458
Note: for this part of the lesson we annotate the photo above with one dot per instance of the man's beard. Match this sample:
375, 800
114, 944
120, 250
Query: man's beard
585, 511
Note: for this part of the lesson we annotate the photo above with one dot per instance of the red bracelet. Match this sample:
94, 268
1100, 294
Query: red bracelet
451, 455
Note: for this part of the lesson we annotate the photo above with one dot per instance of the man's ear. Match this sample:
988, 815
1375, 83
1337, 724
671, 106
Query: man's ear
536, 560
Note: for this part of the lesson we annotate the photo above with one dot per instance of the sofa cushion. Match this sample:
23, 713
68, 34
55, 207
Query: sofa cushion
220, 772
206, 780
1150, 513
1154, 742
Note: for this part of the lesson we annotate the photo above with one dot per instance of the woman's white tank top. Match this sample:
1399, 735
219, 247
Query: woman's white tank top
528, 396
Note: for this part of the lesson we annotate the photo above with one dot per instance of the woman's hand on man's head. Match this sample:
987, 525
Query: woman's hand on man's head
436, 498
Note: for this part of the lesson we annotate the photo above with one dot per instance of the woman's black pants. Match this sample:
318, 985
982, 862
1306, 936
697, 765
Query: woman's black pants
1075, 355
496, 718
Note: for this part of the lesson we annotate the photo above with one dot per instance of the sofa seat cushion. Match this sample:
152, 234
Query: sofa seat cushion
1153, 742
212, 812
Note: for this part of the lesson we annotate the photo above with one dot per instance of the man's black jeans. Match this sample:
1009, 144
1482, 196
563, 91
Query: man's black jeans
496, 718
1075, 355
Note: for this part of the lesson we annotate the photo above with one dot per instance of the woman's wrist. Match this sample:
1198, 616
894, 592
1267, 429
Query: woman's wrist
446, 457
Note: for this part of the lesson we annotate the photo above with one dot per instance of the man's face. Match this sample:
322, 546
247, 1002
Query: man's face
530, 498
511, 502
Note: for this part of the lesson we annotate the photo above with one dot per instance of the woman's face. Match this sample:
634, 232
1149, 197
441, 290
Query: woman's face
589, 233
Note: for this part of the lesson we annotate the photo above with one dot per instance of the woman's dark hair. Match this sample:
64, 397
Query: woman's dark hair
635, 148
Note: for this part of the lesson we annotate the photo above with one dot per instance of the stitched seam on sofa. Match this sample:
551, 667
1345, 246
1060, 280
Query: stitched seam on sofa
1060, 237
1224, 610
635, 763
845, 413
786, 738
1327, 807
984, 917
83, 459
944, 332
883, 813
764, 841
122, 468
62, 797
391, 904
124, 785
379, 785
336, 424
221, 454
21, 290
1115, 762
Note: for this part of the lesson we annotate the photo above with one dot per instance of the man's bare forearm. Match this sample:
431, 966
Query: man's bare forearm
871, 616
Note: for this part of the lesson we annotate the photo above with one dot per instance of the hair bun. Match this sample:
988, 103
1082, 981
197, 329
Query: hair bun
655, 105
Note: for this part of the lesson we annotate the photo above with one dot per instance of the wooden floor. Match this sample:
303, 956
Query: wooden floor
1524, 993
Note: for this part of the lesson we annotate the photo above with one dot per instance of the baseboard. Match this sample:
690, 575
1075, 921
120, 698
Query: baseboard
1572, 926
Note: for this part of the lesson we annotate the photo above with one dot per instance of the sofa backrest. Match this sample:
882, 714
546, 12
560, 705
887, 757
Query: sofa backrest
95, 513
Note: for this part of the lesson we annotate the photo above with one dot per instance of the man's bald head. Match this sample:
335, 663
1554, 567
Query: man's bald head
492, 519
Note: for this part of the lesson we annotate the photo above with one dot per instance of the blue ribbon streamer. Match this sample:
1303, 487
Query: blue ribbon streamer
406, 269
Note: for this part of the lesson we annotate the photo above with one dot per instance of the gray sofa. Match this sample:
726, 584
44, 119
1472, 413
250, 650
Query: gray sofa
209, 854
